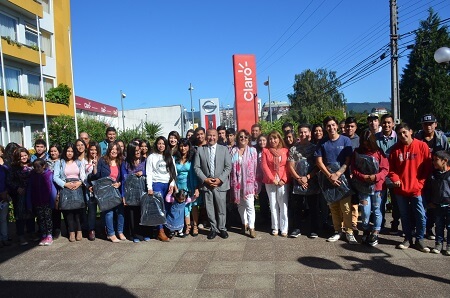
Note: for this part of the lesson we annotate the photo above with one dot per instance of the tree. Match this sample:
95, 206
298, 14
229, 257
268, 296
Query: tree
316, 96
424, 84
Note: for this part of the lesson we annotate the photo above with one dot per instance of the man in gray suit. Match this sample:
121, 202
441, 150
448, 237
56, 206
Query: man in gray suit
212, 166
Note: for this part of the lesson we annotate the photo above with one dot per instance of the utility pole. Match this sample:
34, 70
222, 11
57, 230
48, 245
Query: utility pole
395, 90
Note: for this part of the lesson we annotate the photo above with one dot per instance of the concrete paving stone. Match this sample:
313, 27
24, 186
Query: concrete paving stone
407, 293
232, 246
188, 267
190, 255
341, 292
254, 293
293, 283
204, 246
254, 267
422, 281
303, 292
168, 255
153, 267
164, 281
259, 245
220, 267
217, 281
289, 267
255, 281
224, 256
259, 255
144, 257
159, 293
124, 266
213, 293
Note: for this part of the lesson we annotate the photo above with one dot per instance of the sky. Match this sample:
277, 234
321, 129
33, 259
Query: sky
153, 50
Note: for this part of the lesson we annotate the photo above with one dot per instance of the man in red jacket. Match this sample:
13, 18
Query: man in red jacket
409, 166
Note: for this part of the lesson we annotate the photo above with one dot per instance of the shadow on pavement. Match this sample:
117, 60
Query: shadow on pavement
60, 289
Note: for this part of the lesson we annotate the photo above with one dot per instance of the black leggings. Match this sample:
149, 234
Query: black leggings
132, 219
44, 216
73, 219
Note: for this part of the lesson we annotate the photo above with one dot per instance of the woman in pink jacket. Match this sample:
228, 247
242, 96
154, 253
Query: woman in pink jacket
274, 159
243, 180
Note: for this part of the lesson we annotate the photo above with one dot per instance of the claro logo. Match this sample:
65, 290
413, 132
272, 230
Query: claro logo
248, 81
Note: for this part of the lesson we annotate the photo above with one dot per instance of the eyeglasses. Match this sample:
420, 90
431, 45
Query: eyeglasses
243, 137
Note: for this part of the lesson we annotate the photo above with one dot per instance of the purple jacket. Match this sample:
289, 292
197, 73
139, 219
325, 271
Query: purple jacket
41, 190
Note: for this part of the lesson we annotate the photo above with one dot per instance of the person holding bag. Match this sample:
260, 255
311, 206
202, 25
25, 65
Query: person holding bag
69, 174
109, 166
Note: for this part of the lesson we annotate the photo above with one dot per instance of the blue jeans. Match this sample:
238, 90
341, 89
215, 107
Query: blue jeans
407, 206
109, 220
442, 222
163, 188
373, 204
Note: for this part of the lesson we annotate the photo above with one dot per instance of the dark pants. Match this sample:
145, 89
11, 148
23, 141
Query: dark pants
298, 204
44, 216
442, 223
132, 220
91, 213
73, 219
22, 223
264, 207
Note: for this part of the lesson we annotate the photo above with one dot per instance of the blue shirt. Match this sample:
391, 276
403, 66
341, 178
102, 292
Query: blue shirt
386, 142
335, 151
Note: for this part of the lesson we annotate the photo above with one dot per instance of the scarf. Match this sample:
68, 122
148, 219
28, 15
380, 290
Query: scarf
276, 160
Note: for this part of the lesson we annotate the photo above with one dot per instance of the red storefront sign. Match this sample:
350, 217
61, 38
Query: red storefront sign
245, 89
95, 107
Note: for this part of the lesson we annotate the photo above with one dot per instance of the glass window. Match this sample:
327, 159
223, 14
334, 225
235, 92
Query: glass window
8, 26
12, 79
46, 43
34, 88
46, 5
48, 83
31, 36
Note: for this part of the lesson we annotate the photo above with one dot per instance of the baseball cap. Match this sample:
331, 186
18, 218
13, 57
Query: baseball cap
372, 115
428, 118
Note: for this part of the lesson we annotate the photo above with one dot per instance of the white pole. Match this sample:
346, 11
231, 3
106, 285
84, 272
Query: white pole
8, 131
73, 85
41, 83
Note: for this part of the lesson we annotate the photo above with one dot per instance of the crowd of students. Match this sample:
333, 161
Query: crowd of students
314, 171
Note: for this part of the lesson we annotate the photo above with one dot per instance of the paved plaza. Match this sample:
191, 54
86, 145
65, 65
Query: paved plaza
267, 266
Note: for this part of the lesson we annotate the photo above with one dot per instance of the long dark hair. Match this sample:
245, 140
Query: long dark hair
8, 155
131, 152
75, 152
167, 156
191, 152
97, 147
119, 154
16, 156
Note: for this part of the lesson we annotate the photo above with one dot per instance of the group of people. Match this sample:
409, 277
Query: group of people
314, 171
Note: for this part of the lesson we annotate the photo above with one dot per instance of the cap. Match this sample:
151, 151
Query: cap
428, 118
372, 115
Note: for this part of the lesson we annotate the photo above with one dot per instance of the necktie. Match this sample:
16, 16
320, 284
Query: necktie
212, 157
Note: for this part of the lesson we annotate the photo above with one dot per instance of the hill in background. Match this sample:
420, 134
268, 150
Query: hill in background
360, 107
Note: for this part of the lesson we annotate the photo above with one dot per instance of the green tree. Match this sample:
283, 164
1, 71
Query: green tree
316, 96
424, 84
152, 130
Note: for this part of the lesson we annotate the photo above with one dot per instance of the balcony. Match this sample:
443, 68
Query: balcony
23, 106
31, 6
21, 53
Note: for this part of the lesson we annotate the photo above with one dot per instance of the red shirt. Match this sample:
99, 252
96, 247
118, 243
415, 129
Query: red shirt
410, 164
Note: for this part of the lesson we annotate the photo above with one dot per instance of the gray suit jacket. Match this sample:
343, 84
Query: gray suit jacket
222, 166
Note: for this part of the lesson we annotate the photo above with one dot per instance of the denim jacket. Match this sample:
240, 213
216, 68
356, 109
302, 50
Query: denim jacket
59, 177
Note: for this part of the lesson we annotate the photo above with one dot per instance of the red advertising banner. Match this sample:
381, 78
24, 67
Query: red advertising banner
245, 89
95, 107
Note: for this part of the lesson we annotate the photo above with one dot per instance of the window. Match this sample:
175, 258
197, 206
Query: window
12, 79
16, 132
31, 36
46, 43
34, 88
48, 83
46, 5
8, 26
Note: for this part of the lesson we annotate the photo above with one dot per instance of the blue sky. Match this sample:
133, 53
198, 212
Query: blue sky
152, 50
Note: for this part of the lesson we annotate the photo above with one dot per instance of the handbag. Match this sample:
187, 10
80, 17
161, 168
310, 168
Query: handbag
107, 195
134, 190
71, 199
330, 192
153, 212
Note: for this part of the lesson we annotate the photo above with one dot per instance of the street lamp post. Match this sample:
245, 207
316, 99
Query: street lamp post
122, 96
192, 106
442, 55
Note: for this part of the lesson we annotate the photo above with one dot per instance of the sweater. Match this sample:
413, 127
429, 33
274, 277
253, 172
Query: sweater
156, 170
41, 190
380, 177
268, 166
438, 187
411, 165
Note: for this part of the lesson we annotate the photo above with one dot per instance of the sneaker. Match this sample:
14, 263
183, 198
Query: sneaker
394, 229
23, 241
335, 237
365, 237
355, 230
146, 239
351, 238
43, 240
136, 240
420, 245
404, 245
430, 235
313, 235
446, 252
373, 240
437, 249
274, 232
48, 240
295, 233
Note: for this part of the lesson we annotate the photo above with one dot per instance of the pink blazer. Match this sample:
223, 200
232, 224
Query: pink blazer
268, 166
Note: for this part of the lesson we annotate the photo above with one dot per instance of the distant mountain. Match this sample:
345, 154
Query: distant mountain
359, 107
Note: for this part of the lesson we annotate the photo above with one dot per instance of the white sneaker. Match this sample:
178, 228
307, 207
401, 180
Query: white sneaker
335, 237
351, 239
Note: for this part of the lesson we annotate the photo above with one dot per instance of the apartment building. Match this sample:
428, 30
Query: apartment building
20, 21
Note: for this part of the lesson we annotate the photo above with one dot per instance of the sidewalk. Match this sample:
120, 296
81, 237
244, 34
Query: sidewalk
267, 266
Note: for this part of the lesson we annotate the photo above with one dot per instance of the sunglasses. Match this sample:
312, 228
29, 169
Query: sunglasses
243, 137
